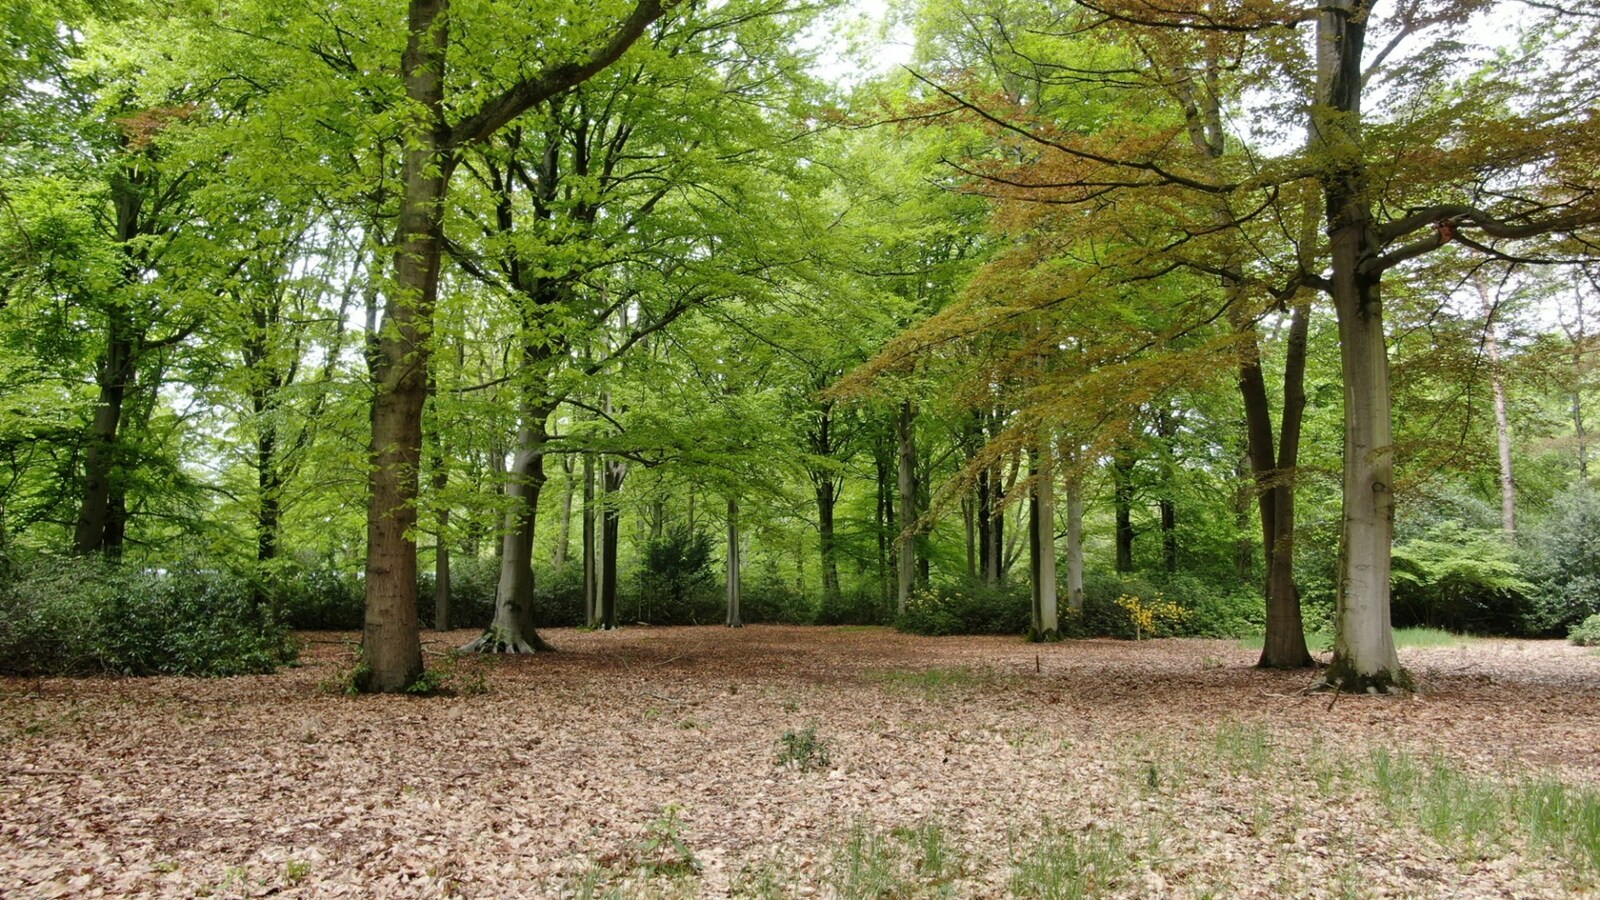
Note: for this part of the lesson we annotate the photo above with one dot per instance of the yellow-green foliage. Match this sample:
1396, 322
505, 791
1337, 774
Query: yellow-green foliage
1153, 616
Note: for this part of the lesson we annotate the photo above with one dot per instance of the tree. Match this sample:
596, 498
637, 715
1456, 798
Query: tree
432, 146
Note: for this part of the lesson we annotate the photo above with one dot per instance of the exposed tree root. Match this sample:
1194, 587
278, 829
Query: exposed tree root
504, 640
1341, 679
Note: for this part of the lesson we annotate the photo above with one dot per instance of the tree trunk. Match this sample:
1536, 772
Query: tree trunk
883, 515
1122, 464
1502, 421
1075, 543
1284, 646
611, 475
114, 376
827, 498
1364, 656
558, 558
512, 630
1169, 534
1244, 547
994, 571
391, 649
984, 521
441, 552
734, 619
1042, 541
591, 583
906, 569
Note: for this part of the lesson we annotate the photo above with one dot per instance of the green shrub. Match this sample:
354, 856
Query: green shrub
1563, 561
1586, 633
1460, 579
77, 616
472, 585
967, 607
773, 599
557, 596
802, 750
677, 586
319, 597
862, 605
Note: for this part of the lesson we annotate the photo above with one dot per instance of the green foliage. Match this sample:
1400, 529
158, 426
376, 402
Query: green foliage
452, 674
319, 597
1067, 864
802, 750
1564, 561
85, 615
677, 583
773, 599
861, 605
472, 586
664, 850
349, 676
967, 607
904, 862
1586, 633
1458, 578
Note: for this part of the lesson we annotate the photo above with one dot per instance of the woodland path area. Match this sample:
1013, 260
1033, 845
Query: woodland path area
644, 762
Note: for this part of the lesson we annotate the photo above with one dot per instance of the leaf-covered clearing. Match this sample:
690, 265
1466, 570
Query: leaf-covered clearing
646, 762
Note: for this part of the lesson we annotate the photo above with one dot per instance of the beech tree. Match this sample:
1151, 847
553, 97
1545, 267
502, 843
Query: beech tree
1382, 208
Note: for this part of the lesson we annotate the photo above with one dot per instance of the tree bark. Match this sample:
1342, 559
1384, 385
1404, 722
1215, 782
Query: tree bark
1284, 646
441, 552
1364, 656
391, 649
827, 498
558, 557
1502, 421
591, 584
114, 376
1042, 519
906, 568
512, 630
611, 475
735, 620
1122, 464
1075, 543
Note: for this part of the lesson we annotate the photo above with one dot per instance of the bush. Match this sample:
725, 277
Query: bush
1208, 610
1459, 579
773, 599
1564, 562
472, 585
1587, 633
967, 607
557, 597
77, 616
319, 598
861, 605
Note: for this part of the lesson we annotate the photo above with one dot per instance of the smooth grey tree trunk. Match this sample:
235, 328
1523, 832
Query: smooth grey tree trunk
591, 582
512, 629
563, 548
1075, 543
906, 558
1364, 657
734, 618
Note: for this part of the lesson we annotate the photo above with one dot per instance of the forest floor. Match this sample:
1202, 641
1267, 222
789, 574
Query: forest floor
646, 762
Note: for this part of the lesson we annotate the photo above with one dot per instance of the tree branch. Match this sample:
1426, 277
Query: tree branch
529, 92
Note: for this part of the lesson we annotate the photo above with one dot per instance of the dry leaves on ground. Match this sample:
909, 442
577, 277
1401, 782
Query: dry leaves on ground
690, 762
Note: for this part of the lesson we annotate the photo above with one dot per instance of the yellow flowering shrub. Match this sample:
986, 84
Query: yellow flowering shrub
1151, 616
